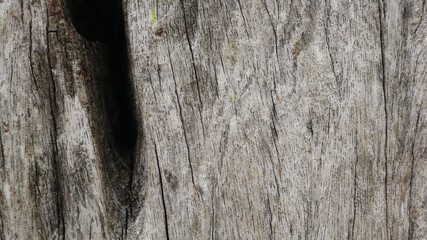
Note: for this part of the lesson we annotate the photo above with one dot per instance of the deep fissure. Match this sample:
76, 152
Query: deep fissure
381, 14
103, 22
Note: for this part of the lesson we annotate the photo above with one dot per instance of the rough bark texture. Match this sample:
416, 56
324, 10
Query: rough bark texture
216, 119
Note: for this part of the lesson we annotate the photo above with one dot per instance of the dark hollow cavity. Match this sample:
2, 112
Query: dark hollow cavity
102, 21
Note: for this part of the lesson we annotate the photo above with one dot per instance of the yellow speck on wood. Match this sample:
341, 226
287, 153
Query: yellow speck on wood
153, 17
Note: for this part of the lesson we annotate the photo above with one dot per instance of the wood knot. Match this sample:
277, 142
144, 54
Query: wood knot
159, 32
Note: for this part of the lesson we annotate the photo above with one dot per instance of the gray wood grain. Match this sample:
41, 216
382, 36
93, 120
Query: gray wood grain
56, 172
256, 120
280, 119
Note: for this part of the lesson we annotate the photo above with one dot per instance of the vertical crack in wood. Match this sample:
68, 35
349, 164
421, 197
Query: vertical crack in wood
328, 15
125, 229
243, 17
54, 140
354, 187
274, 31
193, 63
36, 188
162, 192
273, 109
22, 10
309, 126
30, 51
59, 202
57, 170
308, 218
274, 129
411, 182
270, 214
274, 174
182, 119
223, 146
2, 155
191, 52
152, 87
275, 79
2, 218
90, 231
11, 77
216, 82
382, 48
2, 231
421, 18
213, 223
329, 120
159, 74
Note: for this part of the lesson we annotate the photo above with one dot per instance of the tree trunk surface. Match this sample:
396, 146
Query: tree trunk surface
216, 119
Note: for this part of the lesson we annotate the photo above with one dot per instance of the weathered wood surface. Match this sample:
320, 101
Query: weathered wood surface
280, 119
256, 120
56, 167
